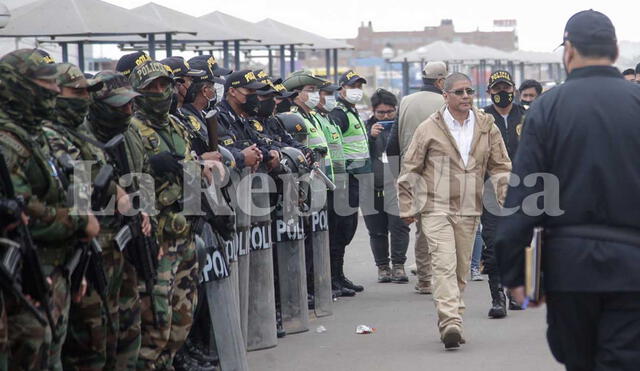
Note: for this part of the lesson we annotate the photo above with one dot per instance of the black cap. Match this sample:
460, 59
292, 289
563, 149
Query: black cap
351, 77
264, 78
210, 60
590, 27
329, 87
128, 62
243, 79
181, 68
500, 76
282, 91
201, 64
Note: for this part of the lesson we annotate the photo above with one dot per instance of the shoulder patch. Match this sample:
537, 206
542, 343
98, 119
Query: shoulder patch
257, 125
228, 142
195, 123
15, 144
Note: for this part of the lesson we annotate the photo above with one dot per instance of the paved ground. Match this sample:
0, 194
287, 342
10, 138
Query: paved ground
406, 336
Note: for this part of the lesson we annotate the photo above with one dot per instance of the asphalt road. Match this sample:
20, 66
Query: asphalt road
406, 336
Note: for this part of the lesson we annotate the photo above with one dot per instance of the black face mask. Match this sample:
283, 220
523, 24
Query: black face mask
526, 102
284, 106
174, 103
106, 121
250, 106
265, 107
502, 99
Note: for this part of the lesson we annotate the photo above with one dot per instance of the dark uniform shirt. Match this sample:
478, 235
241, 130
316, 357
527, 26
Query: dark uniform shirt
512, 128
586, 133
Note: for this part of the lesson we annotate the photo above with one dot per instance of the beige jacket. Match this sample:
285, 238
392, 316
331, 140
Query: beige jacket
414, 109
434, 178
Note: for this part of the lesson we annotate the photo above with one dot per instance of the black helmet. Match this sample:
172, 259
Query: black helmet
227, 157
294, 125
294, 159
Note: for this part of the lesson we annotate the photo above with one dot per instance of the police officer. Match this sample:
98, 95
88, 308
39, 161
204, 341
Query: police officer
509, 117
128, 62
110, 114
175, 293
356, 152
182, 75
585, 135
27, 101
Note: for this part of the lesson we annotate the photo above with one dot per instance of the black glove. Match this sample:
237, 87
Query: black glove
224, 225
9, 212
321, 151
165, 163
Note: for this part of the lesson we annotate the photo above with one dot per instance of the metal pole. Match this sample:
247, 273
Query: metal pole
522, 78
478, 84
152, 46
327, 58
81, 56
236, 54
292, 56
168, 44
482, 71
335, 65
65, 52
405, 77
200, 52
225, 54
283, 71
270, 60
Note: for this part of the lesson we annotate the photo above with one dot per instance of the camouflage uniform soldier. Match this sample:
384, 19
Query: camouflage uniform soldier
85, 346
175, 293
28, 92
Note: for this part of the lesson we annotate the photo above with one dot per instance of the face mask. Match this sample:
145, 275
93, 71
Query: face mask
219, 88
330, 103
174, 103
526, 102
312, 99
251, 104
502, 99
155, 105
72, 111
265, 107
212, 101
354, 96
44, 107
284, 106
106, 121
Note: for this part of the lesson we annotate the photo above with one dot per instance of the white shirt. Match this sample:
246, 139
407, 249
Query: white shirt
506, 120
461, 132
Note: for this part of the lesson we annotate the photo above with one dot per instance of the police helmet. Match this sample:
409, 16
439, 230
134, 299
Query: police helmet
294, 125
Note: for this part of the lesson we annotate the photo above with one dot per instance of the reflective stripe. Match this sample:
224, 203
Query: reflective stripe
353, 138
316, 141
356, 156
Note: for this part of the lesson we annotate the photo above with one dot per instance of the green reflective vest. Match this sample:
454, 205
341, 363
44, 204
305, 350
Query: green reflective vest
333, 135
355, 143
316, 139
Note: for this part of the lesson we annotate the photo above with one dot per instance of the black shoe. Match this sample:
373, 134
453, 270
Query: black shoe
311, 302
338, 287
280, 331
512, 304
498, 303
350, 285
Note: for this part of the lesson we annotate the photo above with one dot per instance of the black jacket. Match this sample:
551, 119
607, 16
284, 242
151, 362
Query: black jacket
586, 133
510, 130
377, 147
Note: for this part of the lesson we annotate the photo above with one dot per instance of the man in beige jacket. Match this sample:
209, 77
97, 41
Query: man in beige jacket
441, 185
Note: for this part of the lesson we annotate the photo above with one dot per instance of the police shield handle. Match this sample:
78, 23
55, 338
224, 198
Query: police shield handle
316, 172
212, 128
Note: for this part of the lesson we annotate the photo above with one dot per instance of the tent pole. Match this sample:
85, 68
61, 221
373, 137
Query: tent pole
225, 54
292, 61
283, 71
270, 60
405, 77
65, 52
152, 46
327, 58
168, 44
236, 55
335, 65
81, 56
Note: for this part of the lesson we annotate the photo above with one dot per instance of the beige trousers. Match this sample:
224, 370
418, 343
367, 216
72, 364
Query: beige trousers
450, 240
423, 258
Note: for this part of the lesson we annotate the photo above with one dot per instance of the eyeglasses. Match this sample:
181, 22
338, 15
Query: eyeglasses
460, 92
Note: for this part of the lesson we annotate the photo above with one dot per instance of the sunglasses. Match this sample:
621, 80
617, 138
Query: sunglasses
460, 92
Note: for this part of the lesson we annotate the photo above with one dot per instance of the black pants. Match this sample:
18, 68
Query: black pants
342, 228
595, 331
380, 226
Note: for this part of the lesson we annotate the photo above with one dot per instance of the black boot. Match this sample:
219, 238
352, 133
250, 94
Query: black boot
281, 332
512, 303
347, 282
339, 289
498, 299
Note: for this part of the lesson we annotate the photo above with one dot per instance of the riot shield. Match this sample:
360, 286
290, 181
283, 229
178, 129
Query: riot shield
241, 203
288, 229
261, 332
319, 229
228, 342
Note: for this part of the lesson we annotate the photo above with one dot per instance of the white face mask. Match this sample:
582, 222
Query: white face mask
219, 90
354, 96
329, 103
312, 99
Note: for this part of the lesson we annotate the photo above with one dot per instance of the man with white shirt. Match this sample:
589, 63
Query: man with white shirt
442, 182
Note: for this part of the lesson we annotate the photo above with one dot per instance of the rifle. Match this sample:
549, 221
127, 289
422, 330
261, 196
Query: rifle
143, 250
21, 270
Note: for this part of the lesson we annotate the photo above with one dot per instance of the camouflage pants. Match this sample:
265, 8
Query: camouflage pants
28, 339
89, 335
175, 299
129, 337
61, 303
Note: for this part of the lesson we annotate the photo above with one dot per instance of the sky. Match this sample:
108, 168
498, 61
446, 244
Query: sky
540, 24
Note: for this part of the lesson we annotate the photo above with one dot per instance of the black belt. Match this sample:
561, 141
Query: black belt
628, 236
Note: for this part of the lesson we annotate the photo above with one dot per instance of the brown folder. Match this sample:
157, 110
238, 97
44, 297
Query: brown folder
533, 263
